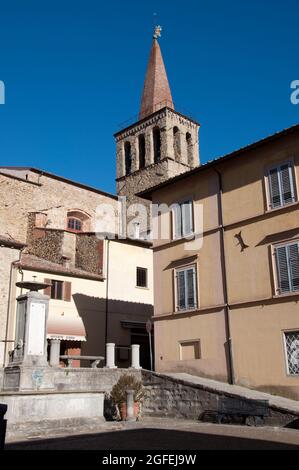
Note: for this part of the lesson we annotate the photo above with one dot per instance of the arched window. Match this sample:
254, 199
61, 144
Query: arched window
189, 149
77, 221
176, 143
128, 158
141, 144
157, 144
73, 224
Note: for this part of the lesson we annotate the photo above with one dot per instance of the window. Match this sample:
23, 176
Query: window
182, 219
128, 158
292, 352
189, 148
141, 277
176, 143
157, 144
78, 221
281, 185
57, 290
287, 262
73, 224
141, 142
186, 294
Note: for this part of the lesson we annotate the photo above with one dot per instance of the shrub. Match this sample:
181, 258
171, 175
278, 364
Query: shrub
127, 382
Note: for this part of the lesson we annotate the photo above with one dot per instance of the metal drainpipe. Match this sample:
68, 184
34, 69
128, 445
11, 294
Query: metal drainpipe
107, 294
231, 377
12, 267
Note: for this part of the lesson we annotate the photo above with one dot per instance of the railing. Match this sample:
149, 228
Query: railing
156, 107
95, 360
55, 356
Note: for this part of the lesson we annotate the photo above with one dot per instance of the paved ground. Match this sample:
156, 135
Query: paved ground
168, 434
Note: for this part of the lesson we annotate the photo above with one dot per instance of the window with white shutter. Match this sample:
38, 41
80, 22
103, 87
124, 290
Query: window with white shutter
287, 262
186, 292
281, 185
182, 219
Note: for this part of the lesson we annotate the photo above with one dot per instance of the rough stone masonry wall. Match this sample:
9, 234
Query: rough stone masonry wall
89, 253
170, 397
52, 197
45, 244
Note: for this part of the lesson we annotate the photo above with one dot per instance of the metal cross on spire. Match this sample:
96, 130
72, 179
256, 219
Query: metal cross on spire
157, 32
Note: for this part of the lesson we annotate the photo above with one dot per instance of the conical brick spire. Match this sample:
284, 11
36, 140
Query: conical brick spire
156, 91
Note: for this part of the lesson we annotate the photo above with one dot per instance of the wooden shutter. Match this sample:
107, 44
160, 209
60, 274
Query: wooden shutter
177, 221
67, 291
187, 218
47, 290
274, 187
294, 265
286, 179
283, 269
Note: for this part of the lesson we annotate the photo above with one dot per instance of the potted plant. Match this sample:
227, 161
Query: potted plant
119, 394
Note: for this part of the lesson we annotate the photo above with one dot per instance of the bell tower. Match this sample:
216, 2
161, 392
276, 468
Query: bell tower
162, 142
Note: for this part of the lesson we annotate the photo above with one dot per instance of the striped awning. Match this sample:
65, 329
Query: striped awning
65, 326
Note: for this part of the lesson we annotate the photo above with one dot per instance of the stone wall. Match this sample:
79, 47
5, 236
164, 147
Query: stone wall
46, 244
81, 379
171, 397
52, 196
89, 253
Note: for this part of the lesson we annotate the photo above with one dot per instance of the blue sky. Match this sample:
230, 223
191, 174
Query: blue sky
74, 70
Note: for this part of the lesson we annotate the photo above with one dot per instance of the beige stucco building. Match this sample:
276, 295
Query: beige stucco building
228, 309
101, 289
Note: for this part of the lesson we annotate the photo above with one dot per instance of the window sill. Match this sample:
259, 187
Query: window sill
186, 310
287, 294
143, 288
281, 208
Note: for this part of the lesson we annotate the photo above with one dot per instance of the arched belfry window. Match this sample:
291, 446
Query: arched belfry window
141, 146
157, 144
189, 148
128, 158
176, 143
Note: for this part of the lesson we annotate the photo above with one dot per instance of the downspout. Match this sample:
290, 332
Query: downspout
231, 377
107, 294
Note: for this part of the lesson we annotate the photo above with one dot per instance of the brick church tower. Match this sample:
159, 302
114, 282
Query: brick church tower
162, 143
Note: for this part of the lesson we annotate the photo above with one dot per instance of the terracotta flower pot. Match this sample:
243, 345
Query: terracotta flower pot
123, 410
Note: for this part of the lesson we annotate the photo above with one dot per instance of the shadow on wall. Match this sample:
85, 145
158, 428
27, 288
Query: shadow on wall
92, 310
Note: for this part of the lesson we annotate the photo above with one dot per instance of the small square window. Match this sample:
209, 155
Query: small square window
141, 277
